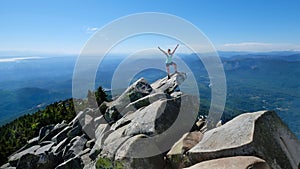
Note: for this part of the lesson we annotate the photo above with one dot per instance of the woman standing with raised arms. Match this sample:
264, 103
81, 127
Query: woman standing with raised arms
169, 59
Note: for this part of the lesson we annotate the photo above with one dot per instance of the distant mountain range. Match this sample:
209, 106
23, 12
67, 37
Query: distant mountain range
26, 100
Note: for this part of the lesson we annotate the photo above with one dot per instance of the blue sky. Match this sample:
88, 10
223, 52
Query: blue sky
63, 27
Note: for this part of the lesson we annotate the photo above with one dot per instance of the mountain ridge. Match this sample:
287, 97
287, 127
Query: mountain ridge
121, 133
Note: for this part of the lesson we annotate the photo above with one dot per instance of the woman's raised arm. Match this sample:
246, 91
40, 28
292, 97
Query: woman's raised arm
162, 50
175, 49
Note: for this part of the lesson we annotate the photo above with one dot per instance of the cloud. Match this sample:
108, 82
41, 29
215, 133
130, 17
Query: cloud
18, 59
246, 44
258, 47
91, 29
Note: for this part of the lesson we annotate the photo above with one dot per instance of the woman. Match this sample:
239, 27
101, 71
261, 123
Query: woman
169, 58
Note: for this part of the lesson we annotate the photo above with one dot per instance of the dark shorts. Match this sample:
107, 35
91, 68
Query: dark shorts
168, 64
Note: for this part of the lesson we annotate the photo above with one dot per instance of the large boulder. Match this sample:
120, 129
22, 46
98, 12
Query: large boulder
57, 128
61, 135
238, 162
125, 136
58, 149
35, 157
7, 166
126, 119
88, 126
101, 129
90, 143
45, 130
144, 101
44, 149
99, 120
28, 161
87, 161
104, 132
80, 117
260, 134
76, 145
137, 90
180, 113
75, 131
139, 152
169, 85
177, 155
72, 163
32, 142
112, 143
13, 159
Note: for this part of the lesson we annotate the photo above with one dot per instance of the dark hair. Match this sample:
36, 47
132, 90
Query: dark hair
169, 50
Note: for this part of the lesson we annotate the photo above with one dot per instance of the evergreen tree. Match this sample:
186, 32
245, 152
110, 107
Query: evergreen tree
101, 96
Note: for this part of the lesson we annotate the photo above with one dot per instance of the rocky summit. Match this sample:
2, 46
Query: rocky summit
154, 126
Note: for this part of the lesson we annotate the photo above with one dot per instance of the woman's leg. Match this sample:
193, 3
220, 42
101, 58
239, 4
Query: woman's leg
168, 71
175, 66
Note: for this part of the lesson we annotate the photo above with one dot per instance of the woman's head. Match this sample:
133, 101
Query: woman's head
169, 51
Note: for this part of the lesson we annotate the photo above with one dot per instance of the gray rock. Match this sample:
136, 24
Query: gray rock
113, 141
99, 120
40, 159
45, 143
13, 159
144, 101
45, 130
90, 112
86, 160
7, 166
75, 131
28, 161
73, 163
30, 143
44, 149
94, 152
59, 147
238, 162
90, 143
57, 128
88, 127
176, 156
46, 158
109, 149
61, 135
180, 113
84, 152
137, 90
176, 94
261, 134
91, 165
169, 85
201, 125
78, 119
100, 130
33, 141
84, 155
99, 144
126, 119
76, 146
139, 152
84, 117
